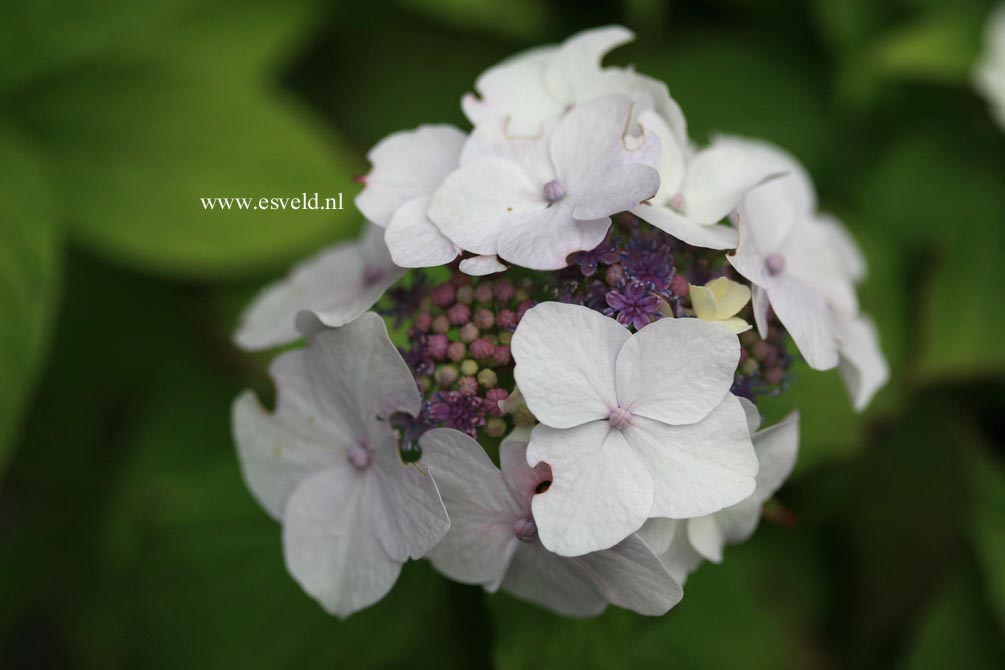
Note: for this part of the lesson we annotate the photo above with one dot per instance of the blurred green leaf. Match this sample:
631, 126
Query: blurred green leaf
955, 633
940, 196
823, 403
40, 38
989, 529
940, 46
899, 510
726, 84
523, 19
138, 140
30, 263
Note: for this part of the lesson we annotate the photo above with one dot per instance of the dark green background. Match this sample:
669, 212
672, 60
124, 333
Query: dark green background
127, 538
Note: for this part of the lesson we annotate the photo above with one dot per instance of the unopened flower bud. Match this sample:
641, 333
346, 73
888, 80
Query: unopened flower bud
495, 427
482, 349
501, 355
487, 378
459, 314
443, 295
761, 350
469, 333
615, 274
483, 293
457, 351
446, 375
679, 286
465, 294
493, 398
504, 290
521, 294
441, 324
484, 319
749, 367
506, 318
505, 337
469, 367
423, 322
774, 376
437, 345
467, 385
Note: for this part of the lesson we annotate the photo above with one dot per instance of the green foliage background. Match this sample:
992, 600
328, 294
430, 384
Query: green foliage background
127, 539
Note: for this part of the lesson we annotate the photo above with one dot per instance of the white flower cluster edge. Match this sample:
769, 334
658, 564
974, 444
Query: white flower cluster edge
643, 464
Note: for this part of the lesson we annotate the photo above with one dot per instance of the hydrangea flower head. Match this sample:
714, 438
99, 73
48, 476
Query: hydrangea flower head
570, 286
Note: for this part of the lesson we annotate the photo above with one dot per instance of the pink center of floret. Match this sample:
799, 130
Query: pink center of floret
620, 418
775, 264
554, 191
525, 529
359, 456
678, 203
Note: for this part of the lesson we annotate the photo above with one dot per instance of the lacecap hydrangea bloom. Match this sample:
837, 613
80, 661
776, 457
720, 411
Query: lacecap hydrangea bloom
585, 308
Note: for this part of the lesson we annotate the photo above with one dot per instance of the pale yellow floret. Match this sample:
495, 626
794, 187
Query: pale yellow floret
719, 301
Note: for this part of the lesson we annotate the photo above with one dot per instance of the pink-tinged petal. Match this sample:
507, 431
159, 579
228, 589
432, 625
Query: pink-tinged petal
408, 515
576, 63
809, 322
479, 201
752, 413
846, 247
776, 447
685, 230
601, 491
480, 266
628, 575
356, 373
680, 557
414, 240
406, 165
589, 142
700, 468
336, 285
796, 190
520, 478
673, 153
817, 261
515, 88
278, 451
330, 545
717, 179
710, 534
620, 189
476, 549
676, 370
543, 240
565, 357
495, 139
759, 302
658, 533
863, 367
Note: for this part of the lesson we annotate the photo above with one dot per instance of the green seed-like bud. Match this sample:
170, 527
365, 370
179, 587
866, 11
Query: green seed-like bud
487, 378
410, 452
446, 375
495, 427
469, 368
505, 337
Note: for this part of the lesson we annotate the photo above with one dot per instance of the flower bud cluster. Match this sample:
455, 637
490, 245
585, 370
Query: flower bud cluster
458, 349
